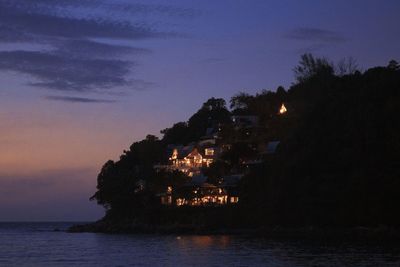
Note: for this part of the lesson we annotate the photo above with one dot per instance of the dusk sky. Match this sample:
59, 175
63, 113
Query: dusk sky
81, 80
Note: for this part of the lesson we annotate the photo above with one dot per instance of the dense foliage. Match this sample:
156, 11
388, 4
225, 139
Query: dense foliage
337, 163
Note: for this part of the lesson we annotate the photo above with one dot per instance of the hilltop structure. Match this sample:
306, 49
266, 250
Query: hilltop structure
195, 158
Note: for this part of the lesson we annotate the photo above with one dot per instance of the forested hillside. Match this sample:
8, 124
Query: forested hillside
337, 163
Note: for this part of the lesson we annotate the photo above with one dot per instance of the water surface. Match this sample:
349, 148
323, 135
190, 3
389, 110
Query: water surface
37, 244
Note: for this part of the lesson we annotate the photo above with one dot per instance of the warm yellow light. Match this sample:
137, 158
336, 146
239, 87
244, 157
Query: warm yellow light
209, 152
283, 109
174, 154
180, 201
234, 199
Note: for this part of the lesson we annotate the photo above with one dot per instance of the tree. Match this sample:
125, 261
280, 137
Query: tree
346, 66
177, 134
241, 101
151, 138
393, 65
214, 104
212, 113
309, 67
281, 93
115, 187
216, 171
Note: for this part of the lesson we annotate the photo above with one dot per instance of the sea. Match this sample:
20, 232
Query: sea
48, 244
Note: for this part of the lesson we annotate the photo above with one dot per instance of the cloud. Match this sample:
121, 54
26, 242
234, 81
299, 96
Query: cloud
156, 9
81, 49
28, 23
314, 39
66, 73
128, 8
315, 35
78, 99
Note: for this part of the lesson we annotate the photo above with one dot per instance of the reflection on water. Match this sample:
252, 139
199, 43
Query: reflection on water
37, 244
205, 241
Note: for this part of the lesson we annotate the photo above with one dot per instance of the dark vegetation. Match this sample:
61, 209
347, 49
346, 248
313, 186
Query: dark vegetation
338, 163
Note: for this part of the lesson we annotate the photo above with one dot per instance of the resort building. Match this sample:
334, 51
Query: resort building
191, 162
201, 195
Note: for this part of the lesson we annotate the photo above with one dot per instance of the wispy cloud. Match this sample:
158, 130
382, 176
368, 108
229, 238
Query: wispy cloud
315, 35
120, 7
313, 39
78, 99
66, 73
75, 60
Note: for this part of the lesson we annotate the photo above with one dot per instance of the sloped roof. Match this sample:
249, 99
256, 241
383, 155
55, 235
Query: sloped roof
194, 153
183, 151
231, 180
272, 146
210, 131
207, 185
199, 179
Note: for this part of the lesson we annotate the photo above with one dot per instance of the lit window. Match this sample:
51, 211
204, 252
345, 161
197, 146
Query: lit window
234, 199
180, 201
283, 109
209, 151
174, 154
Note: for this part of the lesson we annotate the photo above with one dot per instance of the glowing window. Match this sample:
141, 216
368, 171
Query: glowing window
209, 151
174, 154
234, 199
283, 109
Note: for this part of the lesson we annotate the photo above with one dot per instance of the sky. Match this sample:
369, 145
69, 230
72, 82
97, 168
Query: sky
81, 80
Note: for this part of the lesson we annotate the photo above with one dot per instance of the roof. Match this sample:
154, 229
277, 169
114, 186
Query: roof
193, 153
183, 151
231, 180
207, 185
272, 146
199, 179
209, 131
208, 141
245, 120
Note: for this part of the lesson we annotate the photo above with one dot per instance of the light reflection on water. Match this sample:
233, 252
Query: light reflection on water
36, 244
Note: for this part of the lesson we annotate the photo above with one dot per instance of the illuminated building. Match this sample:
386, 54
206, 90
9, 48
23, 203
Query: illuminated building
189, 160
201, 195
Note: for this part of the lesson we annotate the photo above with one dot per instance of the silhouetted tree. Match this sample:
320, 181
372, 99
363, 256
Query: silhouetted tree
393, 65
241, 101
212, 113
310, 66
346, 66
177, 134
336, 164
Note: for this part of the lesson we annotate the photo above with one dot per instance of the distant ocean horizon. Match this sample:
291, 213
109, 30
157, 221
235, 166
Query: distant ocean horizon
48, 244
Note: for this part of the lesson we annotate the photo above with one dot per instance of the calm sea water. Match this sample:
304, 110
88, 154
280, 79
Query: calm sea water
37, 244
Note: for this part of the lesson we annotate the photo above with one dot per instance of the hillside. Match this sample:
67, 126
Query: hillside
329, 158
